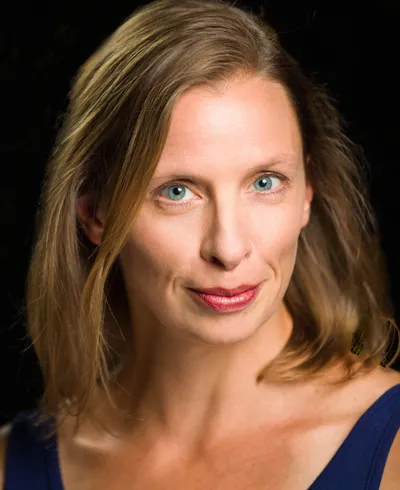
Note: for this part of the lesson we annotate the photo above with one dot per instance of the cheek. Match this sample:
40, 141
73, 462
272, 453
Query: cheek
155, 249
278, 239
279, 228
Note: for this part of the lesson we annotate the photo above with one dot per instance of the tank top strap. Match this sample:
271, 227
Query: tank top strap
360, 461
31, 460
391, 425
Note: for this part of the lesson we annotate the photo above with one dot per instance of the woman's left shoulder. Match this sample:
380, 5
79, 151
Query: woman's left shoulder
386, 378
391, 473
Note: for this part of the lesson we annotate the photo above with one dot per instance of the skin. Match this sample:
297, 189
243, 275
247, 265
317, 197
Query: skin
223, 230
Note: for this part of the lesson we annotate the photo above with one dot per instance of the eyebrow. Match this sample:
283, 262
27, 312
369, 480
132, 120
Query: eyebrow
289, 160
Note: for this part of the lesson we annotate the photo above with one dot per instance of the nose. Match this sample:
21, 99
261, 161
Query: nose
227, 238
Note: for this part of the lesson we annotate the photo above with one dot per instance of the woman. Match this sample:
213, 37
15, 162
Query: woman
206, 295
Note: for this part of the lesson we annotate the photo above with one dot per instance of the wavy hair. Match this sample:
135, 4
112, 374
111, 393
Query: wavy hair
109, 145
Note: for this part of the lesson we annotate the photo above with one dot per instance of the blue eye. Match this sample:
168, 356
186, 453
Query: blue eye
266, 182
176, 192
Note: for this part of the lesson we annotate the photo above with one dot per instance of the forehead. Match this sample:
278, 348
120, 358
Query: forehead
247, 121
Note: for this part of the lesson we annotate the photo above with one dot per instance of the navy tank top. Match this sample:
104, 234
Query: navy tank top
32, 462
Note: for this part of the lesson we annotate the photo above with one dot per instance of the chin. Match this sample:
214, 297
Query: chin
225, 330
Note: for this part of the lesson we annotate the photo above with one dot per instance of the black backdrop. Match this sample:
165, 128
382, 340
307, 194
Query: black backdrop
352, 48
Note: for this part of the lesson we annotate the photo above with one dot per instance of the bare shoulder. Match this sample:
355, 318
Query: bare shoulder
391, 474
382, 379
4, 431
373, 382
377, 383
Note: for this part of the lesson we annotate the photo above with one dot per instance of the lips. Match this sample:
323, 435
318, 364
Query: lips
227, 292
227, 304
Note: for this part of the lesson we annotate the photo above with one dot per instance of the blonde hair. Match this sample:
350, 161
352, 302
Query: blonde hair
111, 140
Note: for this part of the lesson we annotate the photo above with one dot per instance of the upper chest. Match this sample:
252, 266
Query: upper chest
286, 459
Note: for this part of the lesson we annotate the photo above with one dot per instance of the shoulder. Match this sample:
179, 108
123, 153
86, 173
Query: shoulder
4, 431
381, 380
391, 474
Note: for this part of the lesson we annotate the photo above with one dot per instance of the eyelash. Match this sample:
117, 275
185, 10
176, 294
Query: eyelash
285, 181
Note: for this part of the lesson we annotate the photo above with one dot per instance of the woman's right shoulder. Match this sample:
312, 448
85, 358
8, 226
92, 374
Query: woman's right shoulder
4, 432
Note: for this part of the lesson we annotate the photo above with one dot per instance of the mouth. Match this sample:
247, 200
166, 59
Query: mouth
227, 302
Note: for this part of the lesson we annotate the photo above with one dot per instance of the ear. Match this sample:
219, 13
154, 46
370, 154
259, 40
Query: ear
308, 197
91, 218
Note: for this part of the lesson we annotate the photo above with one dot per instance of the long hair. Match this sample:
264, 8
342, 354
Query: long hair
111, 140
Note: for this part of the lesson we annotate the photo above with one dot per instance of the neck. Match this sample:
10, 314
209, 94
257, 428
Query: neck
191, 393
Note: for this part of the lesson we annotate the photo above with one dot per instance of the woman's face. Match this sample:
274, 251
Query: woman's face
225, 208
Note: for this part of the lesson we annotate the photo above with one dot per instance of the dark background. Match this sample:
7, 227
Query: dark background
352, 48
